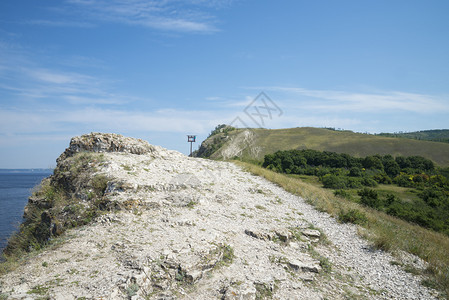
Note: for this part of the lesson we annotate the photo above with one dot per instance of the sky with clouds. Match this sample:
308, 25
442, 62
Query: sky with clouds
159, 70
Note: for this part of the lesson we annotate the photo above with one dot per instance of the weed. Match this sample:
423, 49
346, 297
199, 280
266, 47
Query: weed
412, 270
263, 291
126, 167
39, 290
430, 283
99, 184
132, 290
191, 204
261, 207
385, 231
343, 194
354, 216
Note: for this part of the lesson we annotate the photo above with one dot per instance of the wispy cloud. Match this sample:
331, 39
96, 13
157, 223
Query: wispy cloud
23, 80
192, 16
61, 23
347, 101
50, 121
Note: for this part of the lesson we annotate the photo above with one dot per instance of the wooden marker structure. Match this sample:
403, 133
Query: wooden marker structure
191, 139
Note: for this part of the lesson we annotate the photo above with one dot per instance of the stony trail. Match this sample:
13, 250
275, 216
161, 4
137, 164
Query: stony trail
190, 228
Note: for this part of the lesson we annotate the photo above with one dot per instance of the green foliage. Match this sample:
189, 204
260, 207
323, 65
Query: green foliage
369, 197
436, 135
99, 184
132, 290
39, 290
263, 291
222, 128
341, 171
343, 194
299, 161
55, 207
373, 162
384, 231
355, 172
354, 216
228, 254
333, 181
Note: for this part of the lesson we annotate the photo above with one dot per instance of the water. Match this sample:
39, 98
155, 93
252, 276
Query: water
15, 188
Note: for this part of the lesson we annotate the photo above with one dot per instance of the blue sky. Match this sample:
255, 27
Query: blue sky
159, 70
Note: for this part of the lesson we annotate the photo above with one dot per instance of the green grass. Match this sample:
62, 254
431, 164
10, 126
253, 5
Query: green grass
384, 231
356, 144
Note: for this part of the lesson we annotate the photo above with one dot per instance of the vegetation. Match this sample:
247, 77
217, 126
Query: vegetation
268, 141
429, 208
222, 128
437, 135
214, 141
58, 204
384, 231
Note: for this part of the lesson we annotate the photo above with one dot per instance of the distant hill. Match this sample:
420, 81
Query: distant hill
227, 143
436, 135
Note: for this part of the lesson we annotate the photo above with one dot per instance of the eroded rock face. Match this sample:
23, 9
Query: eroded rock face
106, 142
167, 226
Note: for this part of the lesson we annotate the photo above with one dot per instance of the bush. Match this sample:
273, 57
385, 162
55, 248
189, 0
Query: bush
403, 180
354, 183
369, 197
369, 182
333, 182
342, 194
355, 172
354, 216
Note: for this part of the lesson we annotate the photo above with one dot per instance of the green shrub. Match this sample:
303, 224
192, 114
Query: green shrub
369, 182
354, 216
354, 183
369, 197
99, 184
355, 172
333, 181
343, 194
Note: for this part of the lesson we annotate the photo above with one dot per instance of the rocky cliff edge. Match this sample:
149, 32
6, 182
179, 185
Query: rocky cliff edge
122, 219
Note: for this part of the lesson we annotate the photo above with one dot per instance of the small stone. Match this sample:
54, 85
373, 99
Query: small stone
258, 235
284, 234
311, 233
244, 291
297, 265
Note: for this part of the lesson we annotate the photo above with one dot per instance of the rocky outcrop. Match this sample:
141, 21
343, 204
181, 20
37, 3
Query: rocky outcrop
127, 220
106, 142
227, 145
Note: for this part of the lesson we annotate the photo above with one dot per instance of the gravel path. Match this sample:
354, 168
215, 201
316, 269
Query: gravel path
200, 229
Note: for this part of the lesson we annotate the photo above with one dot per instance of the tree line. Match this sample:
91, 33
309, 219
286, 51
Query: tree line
340, 171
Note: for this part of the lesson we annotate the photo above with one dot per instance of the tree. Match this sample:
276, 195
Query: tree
372, 162
392, 168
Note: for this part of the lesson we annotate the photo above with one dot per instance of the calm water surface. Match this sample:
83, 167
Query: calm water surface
15, 188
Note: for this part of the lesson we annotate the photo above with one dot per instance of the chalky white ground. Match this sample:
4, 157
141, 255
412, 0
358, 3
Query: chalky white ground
181, 211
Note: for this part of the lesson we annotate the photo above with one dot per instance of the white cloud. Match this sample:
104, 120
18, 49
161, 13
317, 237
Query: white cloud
18, 122
24, 81
344, 101
57, 77
170, 15
63, 23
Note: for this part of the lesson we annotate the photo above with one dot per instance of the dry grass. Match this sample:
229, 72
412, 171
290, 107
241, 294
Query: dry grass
355, 144
384, 231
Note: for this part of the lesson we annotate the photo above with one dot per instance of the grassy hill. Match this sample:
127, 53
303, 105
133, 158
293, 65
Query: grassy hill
255, 143
436, 135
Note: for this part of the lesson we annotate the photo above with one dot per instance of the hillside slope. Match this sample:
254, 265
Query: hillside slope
436, 135
167, 226
255, 143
